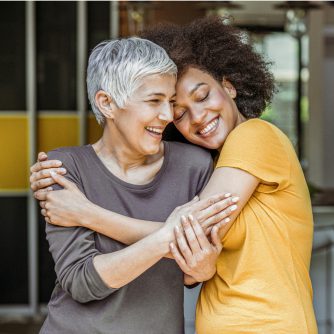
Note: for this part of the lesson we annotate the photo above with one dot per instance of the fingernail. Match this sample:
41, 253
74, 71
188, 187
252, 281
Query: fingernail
177, 229
191, 218
226, 220
227, 195
58, 163
233, 207
235, 199
171, 245
62, 170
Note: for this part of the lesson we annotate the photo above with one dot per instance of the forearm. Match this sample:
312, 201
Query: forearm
122, 228
120, 268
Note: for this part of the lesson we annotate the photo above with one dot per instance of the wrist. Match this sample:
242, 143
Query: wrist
208, 275
164, 238
89, 215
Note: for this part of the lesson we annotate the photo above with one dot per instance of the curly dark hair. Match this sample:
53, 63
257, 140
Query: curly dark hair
219, 49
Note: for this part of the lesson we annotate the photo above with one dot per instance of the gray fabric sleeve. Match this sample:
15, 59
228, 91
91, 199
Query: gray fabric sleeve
73, 250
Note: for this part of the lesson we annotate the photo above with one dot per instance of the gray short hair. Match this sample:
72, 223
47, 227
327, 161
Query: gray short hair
118, 66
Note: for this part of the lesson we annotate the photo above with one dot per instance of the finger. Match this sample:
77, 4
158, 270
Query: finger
205, 203
223, 227
183, 245
42, 156
41, 194
220, 216
44, 212
48, 220
225, 204
208, 231
178, 258
44, 173
63, 181
190, 235
200, 235
42, 204
42, 183
216, 241
45, 164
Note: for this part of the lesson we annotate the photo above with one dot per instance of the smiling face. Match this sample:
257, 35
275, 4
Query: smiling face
146, 114
205, 112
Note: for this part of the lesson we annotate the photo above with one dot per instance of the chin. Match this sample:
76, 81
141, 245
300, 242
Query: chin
151, 150
212, 144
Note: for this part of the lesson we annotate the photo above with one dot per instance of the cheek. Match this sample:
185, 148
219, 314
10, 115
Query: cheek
184, 128
218, 102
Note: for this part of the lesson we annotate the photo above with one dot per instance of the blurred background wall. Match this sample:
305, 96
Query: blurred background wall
43, 105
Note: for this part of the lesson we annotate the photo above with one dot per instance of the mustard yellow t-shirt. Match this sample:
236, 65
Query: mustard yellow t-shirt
262, 284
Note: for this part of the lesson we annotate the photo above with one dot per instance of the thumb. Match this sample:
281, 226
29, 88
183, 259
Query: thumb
215, 238
42, 156
62, 181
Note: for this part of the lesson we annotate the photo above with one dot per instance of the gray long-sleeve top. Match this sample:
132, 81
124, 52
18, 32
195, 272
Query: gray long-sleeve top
153, 302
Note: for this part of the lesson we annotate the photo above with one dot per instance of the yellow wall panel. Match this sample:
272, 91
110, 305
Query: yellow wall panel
57, 130
14, 152
94, 130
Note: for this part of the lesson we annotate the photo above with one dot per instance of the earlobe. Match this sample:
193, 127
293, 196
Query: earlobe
105, 104
229, 88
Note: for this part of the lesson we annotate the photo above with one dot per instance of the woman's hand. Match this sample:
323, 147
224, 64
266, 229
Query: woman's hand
67, 207
208, 212
40, 177
193, 252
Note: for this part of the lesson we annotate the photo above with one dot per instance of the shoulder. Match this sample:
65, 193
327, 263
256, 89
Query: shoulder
69, 152
190, 154
256, 133
256, 128
73, 158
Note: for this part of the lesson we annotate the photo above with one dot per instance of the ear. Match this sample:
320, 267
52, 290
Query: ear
106, 104
229, 88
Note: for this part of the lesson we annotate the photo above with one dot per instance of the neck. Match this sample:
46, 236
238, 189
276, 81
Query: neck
115, 152
240, 119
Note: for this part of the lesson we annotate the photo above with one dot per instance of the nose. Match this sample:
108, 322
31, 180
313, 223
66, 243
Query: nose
197, 116
166, 113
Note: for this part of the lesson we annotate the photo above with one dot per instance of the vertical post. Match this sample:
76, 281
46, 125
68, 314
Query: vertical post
299, 124
314, 139
32, 142
81, 69
114, 19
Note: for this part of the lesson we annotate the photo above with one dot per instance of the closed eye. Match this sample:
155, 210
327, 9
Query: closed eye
201, 99
180, 115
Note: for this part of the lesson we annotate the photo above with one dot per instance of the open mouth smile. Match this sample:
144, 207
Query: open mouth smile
156, 132
209, 128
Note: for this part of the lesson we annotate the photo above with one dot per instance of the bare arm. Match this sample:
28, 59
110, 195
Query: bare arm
226, 179
71, 208
195, 253
133, 260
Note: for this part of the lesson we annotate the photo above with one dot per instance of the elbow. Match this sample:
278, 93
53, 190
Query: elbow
83, 283
82, 292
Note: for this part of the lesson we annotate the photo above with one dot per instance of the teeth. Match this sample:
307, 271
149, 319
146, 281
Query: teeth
209, 127
154, 130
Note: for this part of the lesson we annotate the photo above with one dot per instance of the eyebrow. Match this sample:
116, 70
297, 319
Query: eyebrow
160, 94
196, 87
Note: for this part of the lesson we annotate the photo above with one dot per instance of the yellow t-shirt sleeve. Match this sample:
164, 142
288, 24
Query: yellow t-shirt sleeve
256, 147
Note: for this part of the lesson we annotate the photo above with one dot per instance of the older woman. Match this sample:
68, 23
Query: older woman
262, 284
102, 285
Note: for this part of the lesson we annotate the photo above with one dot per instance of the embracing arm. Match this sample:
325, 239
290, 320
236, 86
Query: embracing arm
88, 275
71, 208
